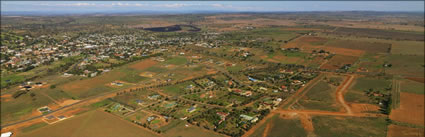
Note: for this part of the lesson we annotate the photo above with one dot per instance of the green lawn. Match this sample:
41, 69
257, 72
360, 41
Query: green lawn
176, 61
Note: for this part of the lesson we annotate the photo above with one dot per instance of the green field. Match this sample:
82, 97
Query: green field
94, 124
331, 126
22, 106
181, 130
365, 83
320, 97
412, 86
33, 127
406, 65
279, 127
356, 91
176, 61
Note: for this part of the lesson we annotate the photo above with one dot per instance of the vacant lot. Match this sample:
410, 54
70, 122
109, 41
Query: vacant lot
94, 124
331, 126
411, 109
338, 61
143, 64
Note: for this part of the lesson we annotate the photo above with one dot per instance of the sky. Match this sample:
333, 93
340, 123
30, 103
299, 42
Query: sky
170, 6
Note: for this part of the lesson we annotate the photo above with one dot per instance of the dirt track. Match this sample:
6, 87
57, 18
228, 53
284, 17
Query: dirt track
340, 91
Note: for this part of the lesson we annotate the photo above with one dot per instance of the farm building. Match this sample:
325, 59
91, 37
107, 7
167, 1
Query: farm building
7, 134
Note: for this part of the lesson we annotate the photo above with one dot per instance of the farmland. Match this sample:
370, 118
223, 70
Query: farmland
333, 74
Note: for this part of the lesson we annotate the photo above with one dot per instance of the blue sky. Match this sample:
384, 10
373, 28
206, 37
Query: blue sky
163, 6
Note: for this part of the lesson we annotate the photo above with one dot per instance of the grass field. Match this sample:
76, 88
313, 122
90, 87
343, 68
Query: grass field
365, 83
406, 65
33, 127
320, 97
22, 106
412, 86
176, 61
280, 127
356, 91
180, 130
331, 126
94, 124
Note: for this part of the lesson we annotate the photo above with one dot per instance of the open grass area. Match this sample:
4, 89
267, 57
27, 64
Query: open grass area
412, 86
181, 130
331, 126
279, 127
94, 124
176, 61
365, 83
21, 107
320, 97
33, 127
406, 65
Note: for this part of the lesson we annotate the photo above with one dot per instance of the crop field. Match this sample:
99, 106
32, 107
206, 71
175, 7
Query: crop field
339, 61
331, 126
295, 74
411, 109
94, 124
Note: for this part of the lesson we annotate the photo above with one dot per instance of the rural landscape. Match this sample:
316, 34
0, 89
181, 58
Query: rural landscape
278, 74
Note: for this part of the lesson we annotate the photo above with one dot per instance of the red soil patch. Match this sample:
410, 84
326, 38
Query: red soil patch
400, 131
417, 79
361, 108
143, 64
338, 61
411, 109
68, 102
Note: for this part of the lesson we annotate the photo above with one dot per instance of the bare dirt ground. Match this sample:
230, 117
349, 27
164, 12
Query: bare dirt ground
360, 108
68, 102
267, 130
417, 79
400, 131
411, 109
143, 64
307, 124
6, 97
341, 90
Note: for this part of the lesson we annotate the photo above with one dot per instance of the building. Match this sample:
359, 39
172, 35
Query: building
191, 109
7, 134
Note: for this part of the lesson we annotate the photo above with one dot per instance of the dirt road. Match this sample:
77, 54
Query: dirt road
340, 91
